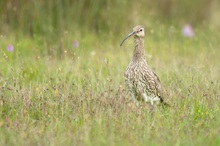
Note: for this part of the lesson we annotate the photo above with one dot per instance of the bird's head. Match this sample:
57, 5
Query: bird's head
138, 31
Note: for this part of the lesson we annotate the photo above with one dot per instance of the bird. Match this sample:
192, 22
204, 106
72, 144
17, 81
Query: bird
141, 81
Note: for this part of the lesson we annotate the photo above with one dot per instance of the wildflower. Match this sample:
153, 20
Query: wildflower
75, 44
188, 31
10, 48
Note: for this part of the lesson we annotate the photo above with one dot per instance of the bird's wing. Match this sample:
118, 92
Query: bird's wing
159, 90
156, 77
158, 85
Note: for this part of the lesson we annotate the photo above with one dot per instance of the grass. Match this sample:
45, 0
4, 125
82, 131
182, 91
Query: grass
56, 94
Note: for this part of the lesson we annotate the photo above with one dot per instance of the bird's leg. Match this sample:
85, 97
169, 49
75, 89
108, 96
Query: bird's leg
135, 100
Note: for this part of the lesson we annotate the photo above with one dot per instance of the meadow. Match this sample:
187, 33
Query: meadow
69, 89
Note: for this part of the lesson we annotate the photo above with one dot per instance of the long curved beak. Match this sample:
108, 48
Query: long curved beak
127, 37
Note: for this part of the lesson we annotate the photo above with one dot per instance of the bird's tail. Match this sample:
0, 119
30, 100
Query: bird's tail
164, 104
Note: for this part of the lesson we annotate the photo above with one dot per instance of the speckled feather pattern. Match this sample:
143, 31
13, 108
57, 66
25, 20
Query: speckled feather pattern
139, 78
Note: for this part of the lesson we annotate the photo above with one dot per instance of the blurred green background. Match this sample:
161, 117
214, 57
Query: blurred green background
52, 23
51, 18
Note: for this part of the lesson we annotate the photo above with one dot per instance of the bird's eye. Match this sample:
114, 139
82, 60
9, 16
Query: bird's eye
140, 29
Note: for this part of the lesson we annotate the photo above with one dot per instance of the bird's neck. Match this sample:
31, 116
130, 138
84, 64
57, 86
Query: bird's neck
139, 53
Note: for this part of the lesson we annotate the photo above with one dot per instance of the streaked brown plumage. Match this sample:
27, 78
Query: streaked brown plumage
141, 81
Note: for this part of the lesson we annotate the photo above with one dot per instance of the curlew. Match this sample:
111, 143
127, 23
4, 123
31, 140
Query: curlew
142, 82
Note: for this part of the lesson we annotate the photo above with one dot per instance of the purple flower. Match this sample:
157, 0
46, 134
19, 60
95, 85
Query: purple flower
75, 44
187, 31
10, 48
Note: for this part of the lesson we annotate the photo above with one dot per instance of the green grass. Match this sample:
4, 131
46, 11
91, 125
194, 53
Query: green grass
54, 94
